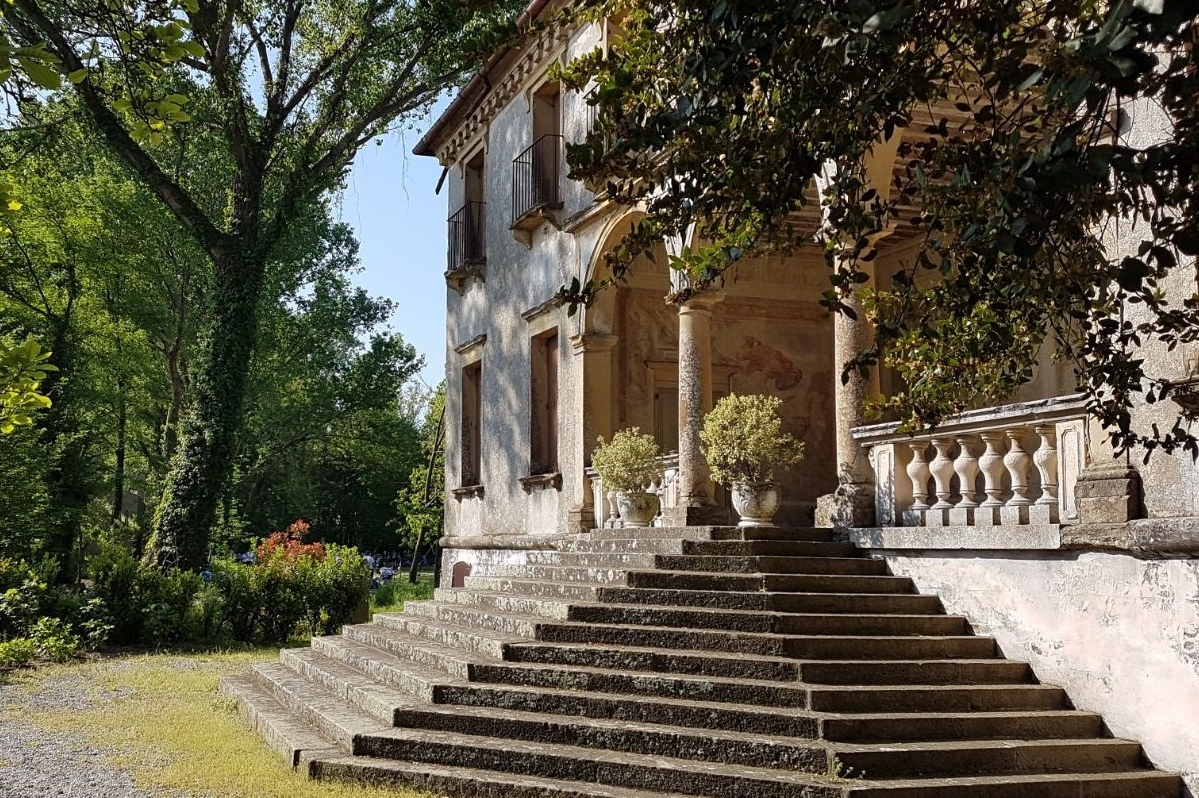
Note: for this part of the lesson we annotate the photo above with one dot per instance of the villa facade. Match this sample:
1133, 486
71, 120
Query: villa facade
1080, 563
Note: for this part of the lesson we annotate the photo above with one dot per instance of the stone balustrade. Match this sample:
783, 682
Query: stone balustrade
1007, 465
607, 515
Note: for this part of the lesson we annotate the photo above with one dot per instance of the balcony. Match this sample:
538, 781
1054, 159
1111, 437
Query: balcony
537, 185
467, 245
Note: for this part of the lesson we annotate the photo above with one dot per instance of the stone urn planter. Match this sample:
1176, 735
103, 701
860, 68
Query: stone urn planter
756, 503
744, 443
628, 465
637, 508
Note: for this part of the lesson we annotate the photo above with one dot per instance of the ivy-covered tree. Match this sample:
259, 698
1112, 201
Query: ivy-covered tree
718, 118
292, 91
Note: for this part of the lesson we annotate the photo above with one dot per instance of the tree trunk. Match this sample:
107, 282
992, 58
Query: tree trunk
118, 480
204, 459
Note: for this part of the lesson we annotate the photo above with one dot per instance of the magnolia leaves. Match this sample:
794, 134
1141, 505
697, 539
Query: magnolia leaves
22, 368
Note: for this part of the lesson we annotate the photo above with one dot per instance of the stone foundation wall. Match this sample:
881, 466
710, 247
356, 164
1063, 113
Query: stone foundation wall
1120, 634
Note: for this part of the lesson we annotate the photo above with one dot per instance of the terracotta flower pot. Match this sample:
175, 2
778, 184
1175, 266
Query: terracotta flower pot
637, 508
756, 504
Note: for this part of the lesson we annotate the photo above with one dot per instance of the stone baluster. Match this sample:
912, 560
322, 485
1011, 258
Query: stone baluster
1018, 463
941, 469
918, 473
614, 519
966, 467
1045, 511
991, 464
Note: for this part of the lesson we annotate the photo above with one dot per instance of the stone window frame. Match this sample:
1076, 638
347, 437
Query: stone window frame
470, 428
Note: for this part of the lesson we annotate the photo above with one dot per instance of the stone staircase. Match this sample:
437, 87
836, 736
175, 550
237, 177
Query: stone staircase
705, 661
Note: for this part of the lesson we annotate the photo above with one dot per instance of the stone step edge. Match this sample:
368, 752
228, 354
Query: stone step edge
712, 611
288, 736
461, 781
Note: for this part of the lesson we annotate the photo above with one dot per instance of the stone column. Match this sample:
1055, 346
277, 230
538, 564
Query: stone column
853, 502
595, 348
695, 400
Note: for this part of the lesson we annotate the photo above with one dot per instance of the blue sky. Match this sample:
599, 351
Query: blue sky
401, 225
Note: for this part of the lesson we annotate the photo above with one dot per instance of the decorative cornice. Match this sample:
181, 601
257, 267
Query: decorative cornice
473, 343
551, 304
536, 55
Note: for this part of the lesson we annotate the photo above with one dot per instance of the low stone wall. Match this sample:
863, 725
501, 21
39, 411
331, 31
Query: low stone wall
1119, 633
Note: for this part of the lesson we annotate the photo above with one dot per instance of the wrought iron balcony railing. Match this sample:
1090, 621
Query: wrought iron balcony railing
537, 179
466, 238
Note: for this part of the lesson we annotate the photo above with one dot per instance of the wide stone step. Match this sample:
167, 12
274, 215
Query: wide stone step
533, 587
464, 782
452, 661
560, 573
712, 745
285, 733
602, 680
362, 691
399, 672
892, 727
505, 602
687, 713
469, 640
660, 660
325, 710
476, 618
1133, 784
858, 566
768, 622
797, 583
934, 698
873, 603
947, 671
992, 757
769, 548
713, 533
612, 768
597, 559
795, 646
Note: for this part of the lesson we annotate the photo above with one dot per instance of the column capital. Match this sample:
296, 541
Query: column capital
702, 301
593, 342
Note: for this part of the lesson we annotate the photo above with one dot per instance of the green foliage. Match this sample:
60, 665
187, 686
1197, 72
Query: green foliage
17, 653
721, 117
743, 440
54, 640
144, 604
22, 368
282, 595
391, 596
421, 503
629, 462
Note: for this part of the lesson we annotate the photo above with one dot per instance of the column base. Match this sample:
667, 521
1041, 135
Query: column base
696, 515
1108, 494
580, 519
852, 505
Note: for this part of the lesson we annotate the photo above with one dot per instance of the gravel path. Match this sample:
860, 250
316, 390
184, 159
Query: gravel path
35, 763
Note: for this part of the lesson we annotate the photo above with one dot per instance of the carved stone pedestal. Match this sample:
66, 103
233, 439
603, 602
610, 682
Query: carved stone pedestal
852, 505
1108, 494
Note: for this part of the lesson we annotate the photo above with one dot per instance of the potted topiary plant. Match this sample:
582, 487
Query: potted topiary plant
744, 443
628, 464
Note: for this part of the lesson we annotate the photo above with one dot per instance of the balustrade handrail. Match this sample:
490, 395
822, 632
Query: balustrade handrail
1058, 408
536, 177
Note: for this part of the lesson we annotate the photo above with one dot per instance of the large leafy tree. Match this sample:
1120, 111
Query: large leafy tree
292, 91
719, 117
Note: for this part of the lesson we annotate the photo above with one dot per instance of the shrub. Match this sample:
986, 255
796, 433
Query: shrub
629, 462
145, 605
743, 440
17, 653
294, 586
54, 640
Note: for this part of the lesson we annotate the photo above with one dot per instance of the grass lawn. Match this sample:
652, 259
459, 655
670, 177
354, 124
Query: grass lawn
157, 716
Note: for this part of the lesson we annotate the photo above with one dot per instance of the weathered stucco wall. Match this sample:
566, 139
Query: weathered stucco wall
1120, 634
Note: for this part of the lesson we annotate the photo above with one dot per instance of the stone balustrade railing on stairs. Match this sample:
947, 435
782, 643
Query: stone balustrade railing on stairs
1006, 465
607, 515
